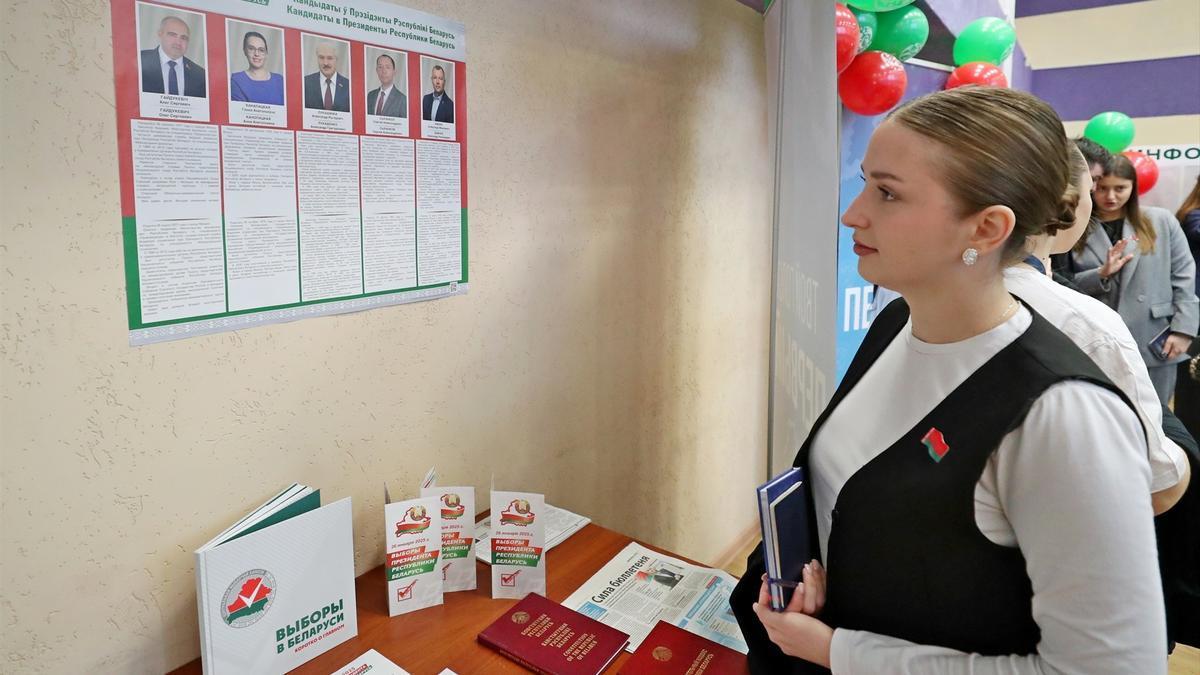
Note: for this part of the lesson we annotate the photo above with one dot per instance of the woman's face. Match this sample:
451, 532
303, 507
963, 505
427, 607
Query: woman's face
1112, 193
256, 52
1065, 239
907, 229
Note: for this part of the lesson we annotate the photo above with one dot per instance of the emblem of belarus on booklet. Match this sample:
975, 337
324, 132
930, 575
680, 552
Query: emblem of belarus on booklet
669, 649
457, 506
546, 637
414, 546
518, 544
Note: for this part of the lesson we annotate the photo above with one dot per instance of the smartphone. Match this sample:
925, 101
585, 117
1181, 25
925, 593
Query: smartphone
1159, 344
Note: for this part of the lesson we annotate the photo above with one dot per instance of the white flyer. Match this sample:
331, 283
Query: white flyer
640, 587
518, 544
370, 662
414, 545
560, 524
457, 505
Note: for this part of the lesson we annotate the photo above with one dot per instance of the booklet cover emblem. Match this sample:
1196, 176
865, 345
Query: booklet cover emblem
248, 598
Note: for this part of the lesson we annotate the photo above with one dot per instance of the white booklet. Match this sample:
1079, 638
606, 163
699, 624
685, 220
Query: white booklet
518, 544
413, 548
277, 588
457, 505
371, 662
560, 524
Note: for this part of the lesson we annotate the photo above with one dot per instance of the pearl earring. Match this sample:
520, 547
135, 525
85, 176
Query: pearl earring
970, 256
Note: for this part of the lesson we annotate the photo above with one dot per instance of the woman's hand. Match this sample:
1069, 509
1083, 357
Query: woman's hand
794, 630
1116, 258
1177, 344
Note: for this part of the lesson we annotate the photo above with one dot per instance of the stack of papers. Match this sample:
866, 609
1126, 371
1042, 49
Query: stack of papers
560, 524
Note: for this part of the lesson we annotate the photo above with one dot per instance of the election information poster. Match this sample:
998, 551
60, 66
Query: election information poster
284, 159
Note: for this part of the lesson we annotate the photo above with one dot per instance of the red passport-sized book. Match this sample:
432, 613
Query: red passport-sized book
548, 638
670, 649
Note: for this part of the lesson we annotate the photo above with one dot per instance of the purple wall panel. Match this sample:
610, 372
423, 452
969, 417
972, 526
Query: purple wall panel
1036, 7
956, 14
1022, 74
1137, 88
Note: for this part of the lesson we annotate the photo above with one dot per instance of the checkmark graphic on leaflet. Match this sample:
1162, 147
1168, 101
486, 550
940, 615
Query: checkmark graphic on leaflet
405, 593
509, 579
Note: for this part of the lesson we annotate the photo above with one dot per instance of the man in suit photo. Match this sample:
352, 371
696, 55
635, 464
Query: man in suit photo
165, 69
386, 100
327, 89
437, 106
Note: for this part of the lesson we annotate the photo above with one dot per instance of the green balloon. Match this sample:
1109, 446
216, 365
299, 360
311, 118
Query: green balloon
879, 5
988, 39
1113, 130
901, 33
867, 25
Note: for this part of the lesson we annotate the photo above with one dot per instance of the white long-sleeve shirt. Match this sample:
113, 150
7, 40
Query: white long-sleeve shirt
1101, 333
1070, 488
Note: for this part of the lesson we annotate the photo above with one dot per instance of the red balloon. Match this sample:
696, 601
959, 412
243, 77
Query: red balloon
873, 83
1146, 168
977, 72
846, 39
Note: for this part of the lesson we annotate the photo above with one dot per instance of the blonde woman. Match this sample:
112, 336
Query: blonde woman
968, 529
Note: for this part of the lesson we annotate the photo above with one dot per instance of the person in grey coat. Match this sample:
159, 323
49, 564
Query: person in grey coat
1137, 261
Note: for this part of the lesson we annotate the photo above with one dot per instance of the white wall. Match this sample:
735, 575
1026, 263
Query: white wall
612, 352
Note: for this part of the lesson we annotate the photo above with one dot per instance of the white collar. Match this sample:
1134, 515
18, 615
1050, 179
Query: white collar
163, 58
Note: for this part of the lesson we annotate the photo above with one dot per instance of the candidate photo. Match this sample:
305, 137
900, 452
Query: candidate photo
388, 98
260, 50
166, 67
437, 106
328, 88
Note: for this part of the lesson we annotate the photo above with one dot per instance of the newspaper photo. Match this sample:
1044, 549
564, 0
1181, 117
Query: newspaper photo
640, 587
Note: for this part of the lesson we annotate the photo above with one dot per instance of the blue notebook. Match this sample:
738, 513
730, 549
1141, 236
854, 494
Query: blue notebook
783, 517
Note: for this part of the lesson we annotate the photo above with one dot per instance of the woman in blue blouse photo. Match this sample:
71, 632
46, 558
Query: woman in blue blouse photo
256, 84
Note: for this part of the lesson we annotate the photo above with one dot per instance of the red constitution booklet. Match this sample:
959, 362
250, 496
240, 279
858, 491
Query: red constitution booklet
670, 649
548, 638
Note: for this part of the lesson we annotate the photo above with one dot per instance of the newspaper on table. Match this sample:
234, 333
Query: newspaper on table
640, 587
560, 524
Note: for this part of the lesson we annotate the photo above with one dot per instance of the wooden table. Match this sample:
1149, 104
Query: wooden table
428, 640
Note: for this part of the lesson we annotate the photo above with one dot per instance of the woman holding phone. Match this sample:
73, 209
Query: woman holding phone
1138, 262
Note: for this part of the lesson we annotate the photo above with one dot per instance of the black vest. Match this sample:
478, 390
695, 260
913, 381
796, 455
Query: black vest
905, 557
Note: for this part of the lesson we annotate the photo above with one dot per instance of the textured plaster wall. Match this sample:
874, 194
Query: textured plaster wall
612, 352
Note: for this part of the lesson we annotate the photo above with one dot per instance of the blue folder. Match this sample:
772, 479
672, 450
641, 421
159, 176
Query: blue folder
783, 517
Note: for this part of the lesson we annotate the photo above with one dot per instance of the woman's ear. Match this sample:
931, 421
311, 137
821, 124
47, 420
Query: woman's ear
991, 227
